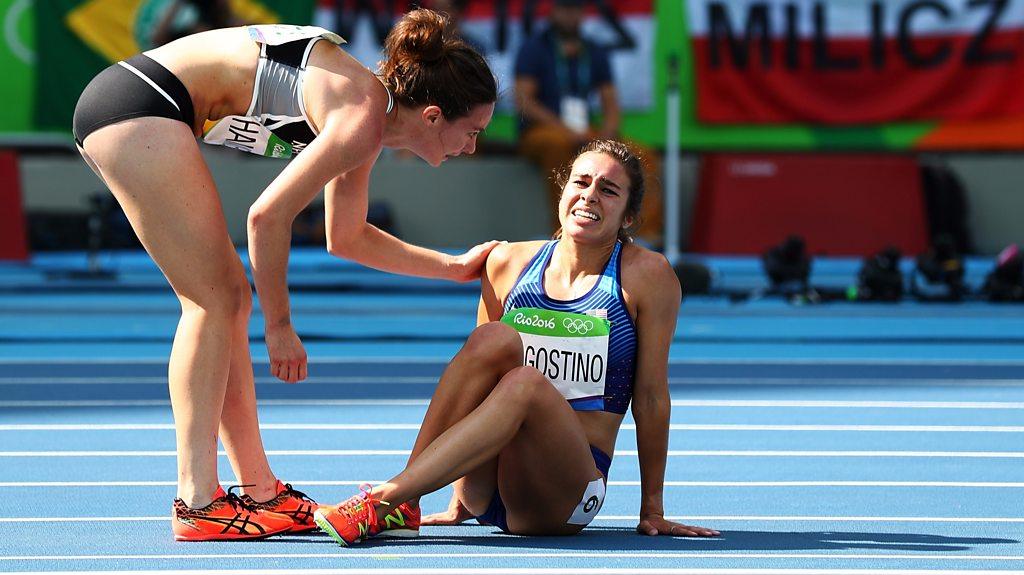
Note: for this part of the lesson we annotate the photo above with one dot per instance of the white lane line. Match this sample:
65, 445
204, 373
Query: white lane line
510, 571
618, 453
167, 403
675, 403
977, 484
338, 555
384, 380
625, 426
748, 518
170, 426
435, 359
162, 381
529, 571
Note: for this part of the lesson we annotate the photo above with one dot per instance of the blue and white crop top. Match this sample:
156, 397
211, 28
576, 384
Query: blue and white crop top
606, 295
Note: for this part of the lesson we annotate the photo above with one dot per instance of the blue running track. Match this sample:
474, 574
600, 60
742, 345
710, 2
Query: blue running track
839, 438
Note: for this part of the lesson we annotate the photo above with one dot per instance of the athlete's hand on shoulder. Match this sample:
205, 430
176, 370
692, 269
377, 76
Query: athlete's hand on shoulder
658, 525
467, 267
456, 513
287, 356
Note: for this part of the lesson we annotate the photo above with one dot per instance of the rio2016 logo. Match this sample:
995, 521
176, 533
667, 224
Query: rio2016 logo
573, 325
534, 320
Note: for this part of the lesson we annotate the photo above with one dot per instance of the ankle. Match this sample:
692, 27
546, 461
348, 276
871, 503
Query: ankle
196, 498
261, 492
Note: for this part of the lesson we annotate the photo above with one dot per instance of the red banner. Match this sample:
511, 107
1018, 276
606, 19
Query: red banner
13, 242
857, 61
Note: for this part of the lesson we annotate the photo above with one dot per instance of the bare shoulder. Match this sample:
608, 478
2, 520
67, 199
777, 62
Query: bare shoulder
338, 87
647, 274
512, 256
507, 261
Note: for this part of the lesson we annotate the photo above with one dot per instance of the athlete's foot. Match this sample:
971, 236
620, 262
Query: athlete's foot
226, 518
290, 502
401, 521
351, 521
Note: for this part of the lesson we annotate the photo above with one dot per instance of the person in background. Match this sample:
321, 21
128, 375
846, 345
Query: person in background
558, 72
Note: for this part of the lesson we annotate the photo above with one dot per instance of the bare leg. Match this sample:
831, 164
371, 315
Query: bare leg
239, 423
489, 353
154, 169
541, 444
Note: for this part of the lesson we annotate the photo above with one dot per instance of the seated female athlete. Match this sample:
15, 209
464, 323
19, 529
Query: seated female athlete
525, 417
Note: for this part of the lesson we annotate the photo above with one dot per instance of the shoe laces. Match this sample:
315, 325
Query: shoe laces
363, 506
239, 502
289, 490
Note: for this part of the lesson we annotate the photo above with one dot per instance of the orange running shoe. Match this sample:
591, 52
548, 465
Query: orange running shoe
351, 521
290, 502
403, 521
226, 518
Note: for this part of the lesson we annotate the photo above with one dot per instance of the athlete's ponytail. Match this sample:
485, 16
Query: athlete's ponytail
427, 64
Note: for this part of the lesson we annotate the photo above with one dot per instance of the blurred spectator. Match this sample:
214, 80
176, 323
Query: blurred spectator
557, 73
158, 22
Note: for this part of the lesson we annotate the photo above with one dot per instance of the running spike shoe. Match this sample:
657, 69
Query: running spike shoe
290, 502
227, 517
402, 521
352, 520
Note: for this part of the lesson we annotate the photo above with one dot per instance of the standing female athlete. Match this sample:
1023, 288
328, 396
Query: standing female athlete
274, 91
529, 446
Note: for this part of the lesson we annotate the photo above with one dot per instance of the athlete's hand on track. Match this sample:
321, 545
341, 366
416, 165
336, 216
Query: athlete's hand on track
287, 356
467, 267
455, 514
658, 525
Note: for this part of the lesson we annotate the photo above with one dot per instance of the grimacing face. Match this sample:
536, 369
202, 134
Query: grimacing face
447, 139
595, 198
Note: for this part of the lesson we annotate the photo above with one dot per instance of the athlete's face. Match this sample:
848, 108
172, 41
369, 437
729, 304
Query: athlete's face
594, 200
447, 139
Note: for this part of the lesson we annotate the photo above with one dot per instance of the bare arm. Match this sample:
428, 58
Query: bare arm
338, 149
657, 300
351, 237
271, 216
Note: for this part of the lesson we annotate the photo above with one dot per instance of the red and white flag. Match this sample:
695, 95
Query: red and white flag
857, 61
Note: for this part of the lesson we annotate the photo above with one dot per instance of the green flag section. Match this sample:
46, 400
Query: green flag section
85, 36
17, 57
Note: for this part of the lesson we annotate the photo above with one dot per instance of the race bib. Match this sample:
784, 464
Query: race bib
570, 349
246, 134
277, 34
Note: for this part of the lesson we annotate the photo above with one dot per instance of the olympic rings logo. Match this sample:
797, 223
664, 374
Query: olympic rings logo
573, 325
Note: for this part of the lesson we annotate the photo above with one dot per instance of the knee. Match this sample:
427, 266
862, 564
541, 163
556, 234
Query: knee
522, 387
496, 345
229, 300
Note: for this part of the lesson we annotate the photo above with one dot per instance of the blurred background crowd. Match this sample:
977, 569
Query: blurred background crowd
877, 129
